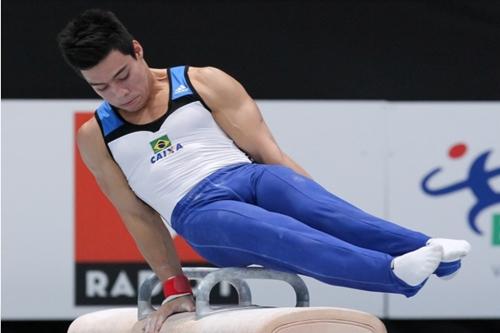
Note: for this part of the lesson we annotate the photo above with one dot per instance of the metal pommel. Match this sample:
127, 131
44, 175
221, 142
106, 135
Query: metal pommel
212, 276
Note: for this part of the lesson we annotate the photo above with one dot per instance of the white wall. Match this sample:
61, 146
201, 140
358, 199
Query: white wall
373, 154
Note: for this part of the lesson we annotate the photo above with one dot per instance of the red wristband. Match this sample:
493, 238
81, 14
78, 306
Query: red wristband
176, 285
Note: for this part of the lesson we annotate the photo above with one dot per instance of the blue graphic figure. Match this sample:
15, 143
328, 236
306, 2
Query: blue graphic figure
477, 182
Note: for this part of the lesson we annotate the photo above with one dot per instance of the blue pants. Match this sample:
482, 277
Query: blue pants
271, 216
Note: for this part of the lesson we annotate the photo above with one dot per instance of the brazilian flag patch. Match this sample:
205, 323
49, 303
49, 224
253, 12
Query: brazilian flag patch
160, 144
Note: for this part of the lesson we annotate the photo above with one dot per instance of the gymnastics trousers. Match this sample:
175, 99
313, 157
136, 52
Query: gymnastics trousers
271, 216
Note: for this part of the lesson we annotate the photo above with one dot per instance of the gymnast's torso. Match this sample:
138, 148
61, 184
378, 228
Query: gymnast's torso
164, 159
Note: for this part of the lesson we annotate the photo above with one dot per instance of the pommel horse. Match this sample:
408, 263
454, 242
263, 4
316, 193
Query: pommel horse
241, 318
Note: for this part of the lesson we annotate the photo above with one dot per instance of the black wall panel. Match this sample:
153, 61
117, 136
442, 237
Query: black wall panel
373, 49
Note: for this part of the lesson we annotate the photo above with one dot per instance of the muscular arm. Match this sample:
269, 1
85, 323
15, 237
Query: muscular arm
239, 116
143, 223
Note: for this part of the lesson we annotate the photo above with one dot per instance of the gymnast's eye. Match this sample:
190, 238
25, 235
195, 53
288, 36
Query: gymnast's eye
123, 77
102, 89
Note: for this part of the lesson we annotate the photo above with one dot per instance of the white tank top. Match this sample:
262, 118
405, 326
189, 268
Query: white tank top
165, 159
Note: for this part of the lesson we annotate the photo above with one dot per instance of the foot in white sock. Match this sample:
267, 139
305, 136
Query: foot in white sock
416, 266
453, 249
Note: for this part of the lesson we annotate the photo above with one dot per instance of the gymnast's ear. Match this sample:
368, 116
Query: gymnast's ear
138, 50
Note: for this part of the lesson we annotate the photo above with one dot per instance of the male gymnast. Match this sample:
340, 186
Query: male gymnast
189, 145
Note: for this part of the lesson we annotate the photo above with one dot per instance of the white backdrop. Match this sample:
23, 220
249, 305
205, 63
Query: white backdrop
374, 154
419, 139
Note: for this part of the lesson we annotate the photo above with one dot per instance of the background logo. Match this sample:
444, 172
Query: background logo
496, 230
476, 182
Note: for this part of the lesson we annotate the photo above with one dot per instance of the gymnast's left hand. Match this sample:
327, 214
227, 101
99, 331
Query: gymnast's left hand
156, 319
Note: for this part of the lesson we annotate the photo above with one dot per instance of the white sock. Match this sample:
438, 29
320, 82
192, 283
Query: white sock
416, 266
453, 249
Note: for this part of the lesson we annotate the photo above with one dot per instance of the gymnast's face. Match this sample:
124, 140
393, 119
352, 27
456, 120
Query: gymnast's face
121, 80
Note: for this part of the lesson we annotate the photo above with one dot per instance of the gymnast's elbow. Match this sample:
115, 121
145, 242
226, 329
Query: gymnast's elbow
268, 154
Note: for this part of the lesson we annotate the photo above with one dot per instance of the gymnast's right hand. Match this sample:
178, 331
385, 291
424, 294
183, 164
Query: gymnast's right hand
156, 319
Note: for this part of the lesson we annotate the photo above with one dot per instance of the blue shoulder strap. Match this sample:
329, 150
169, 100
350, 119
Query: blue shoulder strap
108, 118
180, 86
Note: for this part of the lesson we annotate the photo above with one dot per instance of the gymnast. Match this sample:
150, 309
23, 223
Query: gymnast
188, 147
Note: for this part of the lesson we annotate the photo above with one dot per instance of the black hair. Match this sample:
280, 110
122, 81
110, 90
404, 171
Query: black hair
91, 36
